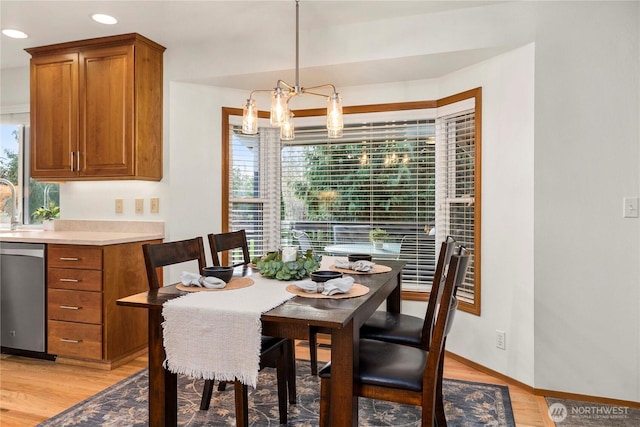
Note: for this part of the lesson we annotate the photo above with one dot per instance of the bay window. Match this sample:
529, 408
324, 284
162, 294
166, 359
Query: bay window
410, 169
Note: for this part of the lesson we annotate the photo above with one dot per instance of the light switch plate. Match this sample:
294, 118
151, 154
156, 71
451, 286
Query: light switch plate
139, 206
154, 205
630, 209
119, 206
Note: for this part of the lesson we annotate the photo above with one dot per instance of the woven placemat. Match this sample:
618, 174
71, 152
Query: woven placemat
234, 283
357, 290
377, 268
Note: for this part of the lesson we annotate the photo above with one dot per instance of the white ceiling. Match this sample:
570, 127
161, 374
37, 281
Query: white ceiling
190, 26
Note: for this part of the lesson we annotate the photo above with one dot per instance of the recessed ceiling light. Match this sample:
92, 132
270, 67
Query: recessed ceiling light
14, 34
104, 19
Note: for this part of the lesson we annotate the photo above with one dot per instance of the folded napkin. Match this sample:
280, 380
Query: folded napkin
192, 279
362, 265
309, 286
341, 285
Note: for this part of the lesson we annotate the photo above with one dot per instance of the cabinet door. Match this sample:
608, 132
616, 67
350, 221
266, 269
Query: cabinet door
54, 115
106, 112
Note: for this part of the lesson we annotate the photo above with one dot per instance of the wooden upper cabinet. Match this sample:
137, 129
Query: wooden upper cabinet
96, 109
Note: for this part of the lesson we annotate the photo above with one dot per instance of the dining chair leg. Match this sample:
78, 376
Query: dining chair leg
281, 374
242, 404
325, 397
222, 385
441, 419
313, 349
206, 395
290, 360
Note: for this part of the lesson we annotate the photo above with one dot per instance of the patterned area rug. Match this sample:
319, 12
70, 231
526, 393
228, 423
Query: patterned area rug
573, 413
125, 403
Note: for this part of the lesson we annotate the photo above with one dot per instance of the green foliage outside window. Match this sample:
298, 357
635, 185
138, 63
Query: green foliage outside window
336, 174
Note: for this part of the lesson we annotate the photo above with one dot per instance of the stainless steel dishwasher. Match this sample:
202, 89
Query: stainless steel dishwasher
23, 298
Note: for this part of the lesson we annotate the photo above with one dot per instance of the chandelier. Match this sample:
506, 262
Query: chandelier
281, 114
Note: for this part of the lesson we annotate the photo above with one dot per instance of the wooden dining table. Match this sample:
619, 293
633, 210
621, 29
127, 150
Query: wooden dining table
341, 318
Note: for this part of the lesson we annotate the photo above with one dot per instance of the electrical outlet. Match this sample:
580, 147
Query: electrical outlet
119, 206
154, 205
501, 337
139, 206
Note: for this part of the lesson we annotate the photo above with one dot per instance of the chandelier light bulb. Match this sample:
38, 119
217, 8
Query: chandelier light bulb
287, 131
334, 113
279, 107
250, 118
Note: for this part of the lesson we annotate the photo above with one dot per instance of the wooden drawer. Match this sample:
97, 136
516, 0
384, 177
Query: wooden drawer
75, 306
74, 256
75, 340
69, 278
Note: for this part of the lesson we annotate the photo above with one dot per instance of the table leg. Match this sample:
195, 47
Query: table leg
163, 390
343, 404
241, 392
393, 300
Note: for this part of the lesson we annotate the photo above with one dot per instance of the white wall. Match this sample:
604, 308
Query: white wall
587, 282
507, 284
560, 149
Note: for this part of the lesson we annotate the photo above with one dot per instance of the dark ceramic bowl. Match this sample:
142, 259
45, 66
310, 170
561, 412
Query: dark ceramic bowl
223, 273
324, 275
359, 257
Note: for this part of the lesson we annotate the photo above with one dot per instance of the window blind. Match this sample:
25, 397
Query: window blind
254, 189
456, 186
378, 175
413, 178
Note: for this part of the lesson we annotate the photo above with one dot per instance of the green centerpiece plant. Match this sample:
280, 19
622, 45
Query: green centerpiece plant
272, 265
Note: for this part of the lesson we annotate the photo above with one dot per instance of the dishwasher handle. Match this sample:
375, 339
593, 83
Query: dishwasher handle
35, 253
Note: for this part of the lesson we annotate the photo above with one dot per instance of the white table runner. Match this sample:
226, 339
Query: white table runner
216, 335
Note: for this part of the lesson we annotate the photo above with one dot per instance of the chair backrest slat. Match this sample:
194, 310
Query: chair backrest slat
446, 250
223, 242
157, 255
455, 275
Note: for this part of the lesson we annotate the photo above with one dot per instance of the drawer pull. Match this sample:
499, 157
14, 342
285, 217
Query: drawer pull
69, 280
69, 259
70, 341
69, 307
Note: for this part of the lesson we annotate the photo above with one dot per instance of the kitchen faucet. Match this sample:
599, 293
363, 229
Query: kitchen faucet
14, 203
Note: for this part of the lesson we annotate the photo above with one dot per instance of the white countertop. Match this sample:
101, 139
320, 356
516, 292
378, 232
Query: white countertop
99, 233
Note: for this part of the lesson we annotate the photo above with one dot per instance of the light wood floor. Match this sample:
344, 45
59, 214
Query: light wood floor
33, 390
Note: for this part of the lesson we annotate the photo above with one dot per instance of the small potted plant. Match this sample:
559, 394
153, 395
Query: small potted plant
377, 237
46, 215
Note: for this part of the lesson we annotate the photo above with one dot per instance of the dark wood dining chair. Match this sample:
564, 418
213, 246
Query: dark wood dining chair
227, 242
397, 327
406, 329
158, 255
275, 352
411, 330
401, 373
